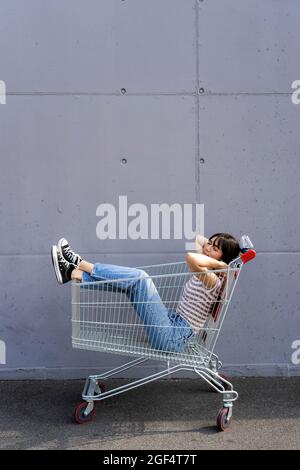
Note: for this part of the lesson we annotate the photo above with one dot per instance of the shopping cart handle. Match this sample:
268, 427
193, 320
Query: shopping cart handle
248, 255
247, 249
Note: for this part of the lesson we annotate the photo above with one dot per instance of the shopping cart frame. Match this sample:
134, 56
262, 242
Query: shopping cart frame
208, 367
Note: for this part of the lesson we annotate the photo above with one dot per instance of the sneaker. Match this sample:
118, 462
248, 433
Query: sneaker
62, 268
66, 251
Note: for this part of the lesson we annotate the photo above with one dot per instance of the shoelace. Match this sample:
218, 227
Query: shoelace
73, 256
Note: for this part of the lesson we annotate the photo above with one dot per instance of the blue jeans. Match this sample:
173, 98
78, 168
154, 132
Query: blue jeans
166, 329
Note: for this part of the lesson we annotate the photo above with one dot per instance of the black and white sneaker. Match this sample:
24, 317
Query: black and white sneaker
66, 251
62, 268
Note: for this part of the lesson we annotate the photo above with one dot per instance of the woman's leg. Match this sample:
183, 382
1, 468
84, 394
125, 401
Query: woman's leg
163, 329
86, 266
77, 273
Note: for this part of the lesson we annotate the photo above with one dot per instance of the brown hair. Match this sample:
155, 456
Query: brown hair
228, 244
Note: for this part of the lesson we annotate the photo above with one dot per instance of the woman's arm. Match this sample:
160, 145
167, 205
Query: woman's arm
203, 264
203, 261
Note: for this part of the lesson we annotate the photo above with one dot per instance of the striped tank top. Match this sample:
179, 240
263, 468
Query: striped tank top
197, 301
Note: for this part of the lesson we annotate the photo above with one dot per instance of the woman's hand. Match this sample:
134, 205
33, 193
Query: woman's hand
200, 242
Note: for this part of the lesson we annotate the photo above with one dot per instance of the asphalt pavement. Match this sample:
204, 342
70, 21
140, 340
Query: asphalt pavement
173, 414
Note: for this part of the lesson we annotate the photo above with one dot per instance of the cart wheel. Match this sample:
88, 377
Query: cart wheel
79, 415
222, 419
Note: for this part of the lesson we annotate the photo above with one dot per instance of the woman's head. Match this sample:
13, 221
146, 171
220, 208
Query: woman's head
223, 247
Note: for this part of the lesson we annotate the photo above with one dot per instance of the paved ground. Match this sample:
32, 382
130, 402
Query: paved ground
165, 415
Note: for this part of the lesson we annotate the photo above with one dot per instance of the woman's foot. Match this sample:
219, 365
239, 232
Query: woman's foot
67, 253
63, 269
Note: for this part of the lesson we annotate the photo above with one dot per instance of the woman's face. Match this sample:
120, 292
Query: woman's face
212, 251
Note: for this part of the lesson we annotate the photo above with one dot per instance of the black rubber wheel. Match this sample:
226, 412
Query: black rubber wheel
80, 417
222, 419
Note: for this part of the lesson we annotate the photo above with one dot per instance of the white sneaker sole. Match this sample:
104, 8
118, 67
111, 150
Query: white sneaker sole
56, 265
59, 245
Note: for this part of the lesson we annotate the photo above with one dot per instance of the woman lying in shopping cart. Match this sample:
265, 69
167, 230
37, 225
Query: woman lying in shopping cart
167, 330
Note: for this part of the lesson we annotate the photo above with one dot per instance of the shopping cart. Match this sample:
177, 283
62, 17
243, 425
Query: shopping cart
104, 319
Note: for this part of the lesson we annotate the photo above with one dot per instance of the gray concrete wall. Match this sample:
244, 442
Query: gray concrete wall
207, 117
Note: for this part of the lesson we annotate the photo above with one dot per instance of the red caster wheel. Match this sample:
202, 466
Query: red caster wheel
79, 415
223, 419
